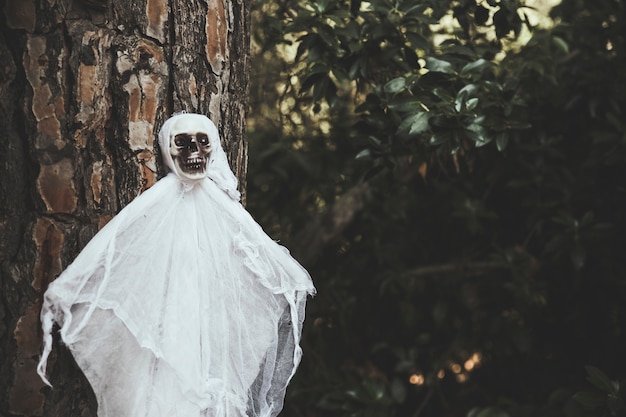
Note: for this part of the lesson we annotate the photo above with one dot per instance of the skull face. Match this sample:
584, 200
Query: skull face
190, 147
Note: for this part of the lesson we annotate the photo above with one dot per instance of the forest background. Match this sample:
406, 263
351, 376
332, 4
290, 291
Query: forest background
452, 175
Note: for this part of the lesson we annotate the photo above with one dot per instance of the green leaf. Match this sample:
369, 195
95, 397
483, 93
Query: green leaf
310, 81
365, 153
475, 66
353, 394
615, 404
411, 58
414, 124
320, 88
373, 390
578, 256
489, 412
355, 68
418, 41
561, 44
417, 8
518, 125
328, 35
398, 390
420, 123
468, 90
615, 121
317, 69
476, 131
502, 140
600, 380
559, 396
471, 103
481, 139
589, 399
341, 14
322, 5
443, 94
439, 65
395, 85
410, 105
380, 6
587, 219
439, 138
481, 15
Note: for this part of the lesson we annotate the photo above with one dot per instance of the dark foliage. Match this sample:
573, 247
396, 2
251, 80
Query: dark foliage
470, 181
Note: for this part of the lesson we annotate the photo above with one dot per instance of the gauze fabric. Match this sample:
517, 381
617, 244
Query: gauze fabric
181, 306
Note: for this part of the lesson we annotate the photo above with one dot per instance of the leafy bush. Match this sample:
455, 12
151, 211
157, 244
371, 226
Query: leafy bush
452, 177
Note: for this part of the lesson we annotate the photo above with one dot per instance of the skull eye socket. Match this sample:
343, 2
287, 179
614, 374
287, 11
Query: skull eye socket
184, 140
202, 139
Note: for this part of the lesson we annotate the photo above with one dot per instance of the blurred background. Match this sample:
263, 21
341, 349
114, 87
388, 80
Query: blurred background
452, 174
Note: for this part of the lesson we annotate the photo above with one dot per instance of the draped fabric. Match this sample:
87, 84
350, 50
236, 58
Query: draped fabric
182, 306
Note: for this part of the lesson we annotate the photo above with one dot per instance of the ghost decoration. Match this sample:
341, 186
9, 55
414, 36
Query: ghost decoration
181, 306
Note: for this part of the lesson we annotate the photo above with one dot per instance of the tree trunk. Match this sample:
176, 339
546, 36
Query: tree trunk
84, 87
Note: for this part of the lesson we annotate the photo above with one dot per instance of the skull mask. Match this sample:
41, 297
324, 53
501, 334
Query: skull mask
190, 147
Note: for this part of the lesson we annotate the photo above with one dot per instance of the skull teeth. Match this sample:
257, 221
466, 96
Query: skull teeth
194, 163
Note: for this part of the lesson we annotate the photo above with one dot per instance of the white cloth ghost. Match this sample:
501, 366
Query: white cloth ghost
182, 306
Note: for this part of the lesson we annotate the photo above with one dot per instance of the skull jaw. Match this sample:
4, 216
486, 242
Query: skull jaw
192, 168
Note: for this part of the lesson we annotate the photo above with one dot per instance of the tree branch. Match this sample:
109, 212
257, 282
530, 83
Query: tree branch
463, 268
326, 228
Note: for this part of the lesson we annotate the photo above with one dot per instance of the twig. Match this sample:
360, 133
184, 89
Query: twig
419, 410
464, 268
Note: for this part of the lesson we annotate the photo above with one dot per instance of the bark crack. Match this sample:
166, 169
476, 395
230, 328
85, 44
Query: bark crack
170, 42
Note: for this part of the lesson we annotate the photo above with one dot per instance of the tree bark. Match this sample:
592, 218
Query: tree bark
84, 87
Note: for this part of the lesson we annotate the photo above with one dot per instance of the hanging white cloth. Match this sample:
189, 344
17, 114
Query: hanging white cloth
182, 306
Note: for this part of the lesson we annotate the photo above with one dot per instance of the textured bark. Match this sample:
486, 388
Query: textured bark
84, 87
